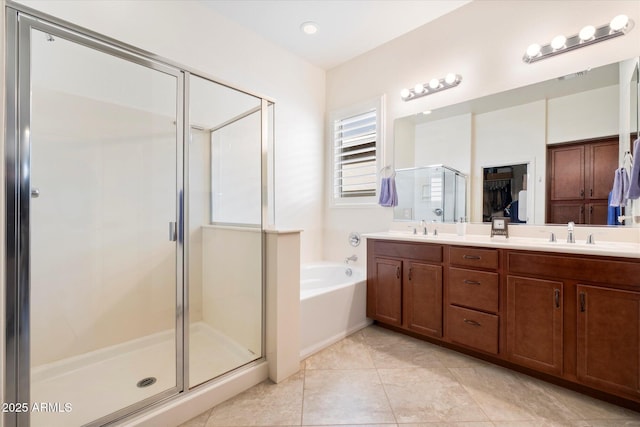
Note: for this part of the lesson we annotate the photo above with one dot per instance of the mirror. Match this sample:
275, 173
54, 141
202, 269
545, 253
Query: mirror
515, 127
634, 97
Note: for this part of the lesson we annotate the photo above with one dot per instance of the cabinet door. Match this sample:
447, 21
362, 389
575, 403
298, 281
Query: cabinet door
597, 212
608, 339
563, 212
534, 325
423, 298
384, 292
567, 172
603, 161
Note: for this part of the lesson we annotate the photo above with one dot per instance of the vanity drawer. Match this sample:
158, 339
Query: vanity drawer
417, 251
474, 289
473, 257
473, 329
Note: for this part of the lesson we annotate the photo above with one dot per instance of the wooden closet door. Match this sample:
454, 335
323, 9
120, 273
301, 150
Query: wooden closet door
567, 172
602, 163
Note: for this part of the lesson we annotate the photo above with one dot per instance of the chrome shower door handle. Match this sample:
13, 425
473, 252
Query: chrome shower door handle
173, 233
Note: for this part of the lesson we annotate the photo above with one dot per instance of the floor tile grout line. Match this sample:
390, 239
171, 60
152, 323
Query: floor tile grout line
470, 394
384, 389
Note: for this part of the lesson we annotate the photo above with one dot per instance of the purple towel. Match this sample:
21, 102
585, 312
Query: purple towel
388, 193
620, 188
634, 177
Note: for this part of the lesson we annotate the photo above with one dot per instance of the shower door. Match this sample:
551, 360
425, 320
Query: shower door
98, 181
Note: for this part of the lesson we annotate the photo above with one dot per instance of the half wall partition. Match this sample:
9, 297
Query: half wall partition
136, 198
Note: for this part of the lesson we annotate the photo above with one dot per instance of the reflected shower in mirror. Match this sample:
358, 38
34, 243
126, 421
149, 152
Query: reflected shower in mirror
433, 193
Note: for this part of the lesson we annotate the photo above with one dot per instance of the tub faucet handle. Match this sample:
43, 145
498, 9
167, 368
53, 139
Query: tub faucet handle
353, 258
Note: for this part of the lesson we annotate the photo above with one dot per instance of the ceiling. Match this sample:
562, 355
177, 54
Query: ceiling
347, 28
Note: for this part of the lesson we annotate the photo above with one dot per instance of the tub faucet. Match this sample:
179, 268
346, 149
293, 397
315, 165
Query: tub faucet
570, 237
353, 258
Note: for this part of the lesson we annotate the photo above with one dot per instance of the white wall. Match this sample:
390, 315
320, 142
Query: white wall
585, 115
484, 42
196, 36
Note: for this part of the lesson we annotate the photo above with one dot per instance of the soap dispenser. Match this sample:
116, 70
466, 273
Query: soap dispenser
461, 227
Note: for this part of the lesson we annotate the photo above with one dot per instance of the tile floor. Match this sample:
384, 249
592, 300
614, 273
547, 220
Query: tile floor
380, 378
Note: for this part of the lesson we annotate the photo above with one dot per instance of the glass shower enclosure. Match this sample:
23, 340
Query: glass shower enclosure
135, 207
435, 193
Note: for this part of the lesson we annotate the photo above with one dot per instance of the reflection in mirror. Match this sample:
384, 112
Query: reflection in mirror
504, 193
433, 193
634, 89
515, 127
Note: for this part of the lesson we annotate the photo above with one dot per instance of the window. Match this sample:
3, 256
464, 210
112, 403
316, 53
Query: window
356, 137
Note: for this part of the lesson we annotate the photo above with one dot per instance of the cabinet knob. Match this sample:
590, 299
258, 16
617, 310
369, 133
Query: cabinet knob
472, 322
397, 272
583, 302
471, 282
556, 295
471, 257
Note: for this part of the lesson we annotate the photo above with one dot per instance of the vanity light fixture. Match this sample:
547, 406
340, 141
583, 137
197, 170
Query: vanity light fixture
434, 85
619, 26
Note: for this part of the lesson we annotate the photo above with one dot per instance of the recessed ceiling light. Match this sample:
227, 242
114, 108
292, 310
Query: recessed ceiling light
309, 27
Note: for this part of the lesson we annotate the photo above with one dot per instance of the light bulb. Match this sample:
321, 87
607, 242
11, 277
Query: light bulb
418, 88
404, 93
450, 78
533, 50
426, 112
434, 83
558, 42
587, 33
309, 27
619, 22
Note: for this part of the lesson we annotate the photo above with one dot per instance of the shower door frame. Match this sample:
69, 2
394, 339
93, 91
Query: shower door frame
18, 197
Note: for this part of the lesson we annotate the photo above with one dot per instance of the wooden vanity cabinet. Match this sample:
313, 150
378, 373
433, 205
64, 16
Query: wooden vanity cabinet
568, 316
384, 291
423, 298
587, 310
534, 323
608, 339
473, 291
404, 285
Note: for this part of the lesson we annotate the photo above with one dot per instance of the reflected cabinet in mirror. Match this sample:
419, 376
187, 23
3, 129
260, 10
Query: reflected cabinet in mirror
550, 149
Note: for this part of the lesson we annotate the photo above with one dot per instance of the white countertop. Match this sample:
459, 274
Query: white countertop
602, 248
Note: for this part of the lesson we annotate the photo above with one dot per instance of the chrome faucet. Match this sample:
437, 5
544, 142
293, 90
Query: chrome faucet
353, 258
570, 237
423, 224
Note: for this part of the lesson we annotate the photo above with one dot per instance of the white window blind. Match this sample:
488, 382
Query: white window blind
354, 156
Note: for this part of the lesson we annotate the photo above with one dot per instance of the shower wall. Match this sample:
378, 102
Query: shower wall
199, 214
233, 255
236, 172
128, 273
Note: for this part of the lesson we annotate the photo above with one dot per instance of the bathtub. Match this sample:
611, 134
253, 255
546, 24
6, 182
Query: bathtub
332, 304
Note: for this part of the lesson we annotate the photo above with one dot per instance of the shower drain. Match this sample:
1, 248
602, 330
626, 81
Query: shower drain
146, 382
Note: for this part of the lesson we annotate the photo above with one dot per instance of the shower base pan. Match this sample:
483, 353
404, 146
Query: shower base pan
78, 390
